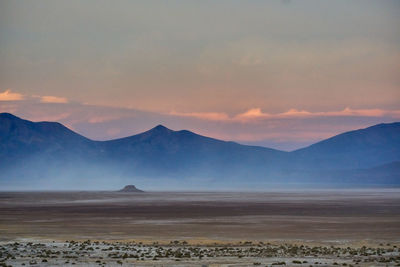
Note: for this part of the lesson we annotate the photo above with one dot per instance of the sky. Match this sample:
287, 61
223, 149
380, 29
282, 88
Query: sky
282, 73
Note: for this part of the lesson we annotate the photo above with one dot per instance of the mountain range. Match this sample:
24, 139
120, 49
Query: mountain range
48, 155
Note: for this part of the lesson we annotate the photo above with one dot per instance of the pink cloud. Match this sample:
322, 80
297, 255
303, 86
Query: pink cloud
365, 112
295, 113
213, 116
256, 113
251, 114
10, 96
53, 99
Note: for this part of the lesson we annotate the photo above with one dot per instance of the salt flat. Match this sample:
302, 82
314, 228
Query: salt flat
328, 216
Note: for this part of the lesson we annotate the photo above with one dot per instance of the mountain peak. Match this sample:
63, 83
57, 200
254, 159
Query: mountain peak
160, 128
6, 115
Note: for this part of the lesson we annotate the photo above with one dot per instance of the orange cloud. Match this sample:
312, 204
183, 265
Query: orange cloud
10, 96
251, 114
53, 99
213, 116
295, 113
366, 112
255, 114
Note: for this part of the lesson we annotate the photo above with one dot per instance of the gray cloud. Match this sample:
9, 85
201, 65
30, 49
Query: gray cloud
204, 56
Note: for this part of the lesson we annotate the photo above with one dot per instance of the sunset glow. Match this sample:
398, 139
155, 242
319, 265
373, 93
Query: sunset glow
220, 68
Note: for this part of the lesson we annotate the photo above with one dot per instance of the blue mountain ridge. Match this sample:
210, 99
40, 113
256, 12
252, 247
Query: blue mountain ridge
47, 151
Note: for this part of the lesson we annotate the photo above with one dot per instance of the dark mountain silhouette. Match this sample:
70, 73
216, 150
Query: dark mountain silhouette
21, 137
28, 147
362, 148
49, 152
161, 151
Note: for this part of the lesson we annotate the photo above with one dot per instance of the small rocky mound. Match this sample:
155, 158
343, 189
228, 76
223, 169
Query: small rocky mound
130, 189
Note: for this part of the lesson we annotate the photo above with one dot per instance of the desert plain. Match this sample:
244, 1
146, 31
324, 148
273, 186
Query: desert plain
346, 227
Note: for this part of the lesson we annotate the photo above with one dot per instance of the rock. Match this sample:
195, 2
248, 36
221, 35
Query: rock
130, 189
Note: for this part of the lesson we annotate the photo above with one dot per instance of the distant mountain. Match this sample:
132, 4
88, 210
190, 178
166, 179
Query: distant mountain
22, 139
383, 175
387, 173
47, 154
163, 152
17, 134
363, 148
33, 150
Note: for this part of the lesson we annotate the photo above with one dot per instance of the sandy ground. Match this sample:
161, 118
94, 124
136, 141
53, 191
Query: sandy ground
313, 218
96, 253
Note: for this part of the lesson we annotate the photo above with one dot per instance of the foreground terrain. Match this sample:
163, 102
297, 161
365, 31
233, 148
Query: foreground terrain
183, 254
322, 228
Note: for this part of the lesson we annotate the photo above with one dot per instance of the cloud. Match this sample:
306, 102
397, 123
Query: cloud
10, 96
253, 113
213, 116
367, 113
257, 113
53, 99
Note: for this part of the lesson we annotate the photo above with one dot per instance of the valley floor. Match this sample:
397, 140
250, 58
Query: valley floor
300, 228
